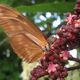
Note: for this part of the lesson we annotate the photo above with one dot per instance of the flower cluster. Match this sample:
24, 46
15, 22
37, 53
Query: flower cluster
54, 61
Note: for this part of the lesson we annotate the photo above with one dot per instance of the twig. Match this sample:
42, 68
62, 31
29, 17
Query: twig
74, 59
73, 68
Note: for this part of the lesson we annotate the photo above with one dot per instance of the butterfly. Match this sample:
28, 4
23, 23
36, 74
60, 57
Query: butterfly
27, 41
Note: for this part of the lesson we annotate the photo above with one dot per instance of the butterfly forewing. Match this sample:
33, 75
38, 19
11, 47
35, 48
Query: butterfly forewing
26, 39
26, 48
7, 12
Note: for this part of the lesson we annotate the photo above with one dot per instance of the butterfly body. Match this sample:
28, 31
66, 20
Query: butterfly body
25, 38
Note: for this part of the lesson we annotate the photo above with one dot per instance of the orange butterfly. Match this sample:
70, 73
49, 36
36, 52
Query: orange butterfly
26, 39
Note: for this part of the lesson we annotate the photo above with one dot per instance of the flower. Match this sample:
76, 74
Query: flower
69, 19
52, 67
77, 23
64, 55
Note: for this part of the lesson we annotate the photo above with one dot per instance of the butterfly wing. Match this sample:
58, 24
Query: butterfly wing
26, 39
26, 48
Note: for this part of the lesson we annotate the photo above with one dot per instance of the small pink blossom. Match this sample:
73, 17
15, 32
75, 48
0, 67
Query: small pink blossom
77, 23
69, 19
52, 67
64, 55
51, 58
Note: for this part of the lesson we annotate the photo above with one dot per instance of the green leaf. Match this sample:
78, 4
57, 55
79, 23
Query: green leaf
9, 2
46, 7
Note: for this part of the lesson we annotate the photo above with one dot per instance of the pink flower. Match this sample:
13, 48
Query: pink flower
77, 23
51, 58
64, 55
52, 67
69, 19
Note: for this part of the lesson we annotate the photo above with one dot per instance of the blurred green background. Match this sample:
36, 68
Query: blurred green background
47, 15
